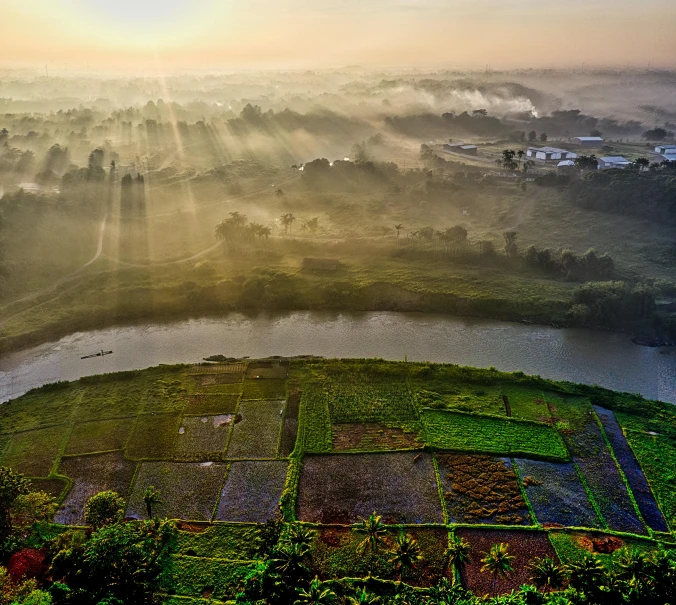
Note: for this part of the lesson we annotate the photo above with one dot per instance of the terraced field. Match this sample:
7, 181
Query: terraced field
549, 468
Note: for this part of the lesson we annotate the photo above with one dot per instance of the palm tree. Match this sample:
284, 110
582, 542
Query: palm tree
289, 560
363, 598
374, 531
520, 155
547, 574
301, 535
151, 497
315, 594
406, 554
641, 163
287, 220
457, 555
398, 227
498, 562
586, 574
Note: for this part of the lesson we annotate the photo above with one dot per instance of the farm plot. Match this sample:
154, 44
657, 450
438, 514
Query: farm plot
33, 452
510, 437
220, 541
523, 545
53, 487
657, 455
290, 427
375, 436
153, 437
257, 434
341, 488
267, 369
264, 389
218, 368
203, 437
453, 397
315, 420
632, 471
122, 394
370, 401
107, 435
586, 443
527, 404
252, 491
572, 546
207, 380
557, 494
208, 578
90, 475
481, 489
208, 404
336, 554
47, 405
188, 490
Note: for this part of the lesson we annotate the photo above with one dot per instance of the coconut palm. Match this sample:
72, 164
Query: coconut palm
289, 560
398, 228
315, 594
374, 531
498, 562
406, 553
547, 574
151, 497
586, 574
457, 555
363, 597
301, 535
287, 220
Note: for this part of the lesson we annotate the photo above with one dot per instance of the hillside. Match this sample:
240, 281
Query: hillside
552, 469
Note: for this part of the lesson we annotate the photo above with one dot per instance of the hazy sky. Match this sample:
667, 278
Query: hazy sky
306, 33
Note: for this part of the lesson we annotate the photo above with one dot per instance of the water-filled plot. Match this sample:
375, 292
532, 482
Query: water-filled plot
342, 488
579, 427
91, 475
252, 491
257, 430
557, 494
632, 471
187, 490
203, 437
481, 489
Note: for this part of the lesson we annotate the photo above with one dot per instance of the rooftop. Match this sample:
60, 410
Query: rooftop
549, 149
588, 138
615, 159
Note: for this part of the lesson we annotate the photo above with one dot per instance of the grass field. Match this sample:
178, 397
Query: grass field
34, 452
89, 437
256, 434
473, 433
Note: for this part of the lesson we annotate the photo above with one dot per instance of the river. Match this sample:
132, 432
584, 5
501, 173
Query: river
604, 358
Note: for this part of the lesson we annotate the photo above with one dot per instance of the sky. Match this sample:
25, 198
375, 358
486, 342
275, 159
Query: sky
243, 34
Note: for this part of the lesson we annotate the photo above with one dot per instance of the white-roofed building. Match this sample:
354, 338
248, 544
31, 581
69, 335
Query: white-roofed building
589, 142
549, 154
665, 149
566, 164
460, 148
614, 161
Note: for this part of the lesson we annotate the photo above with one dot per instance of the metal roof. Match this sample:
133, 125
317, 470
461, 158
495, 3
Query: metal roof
615, 159
565, 163
549, 149
588, 138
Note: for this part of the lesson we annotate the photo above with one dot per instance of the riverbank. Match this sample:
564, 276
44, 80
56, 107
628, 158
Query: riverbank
608, 359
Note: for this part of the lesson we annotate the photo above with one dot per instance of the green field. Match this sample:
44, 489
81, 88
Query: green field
434, 452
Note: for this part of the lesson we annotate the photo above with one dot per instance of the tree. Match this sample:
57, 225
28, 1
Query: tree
586, 162
151, 498
510, 243
289, 561
507, 161
656, 134
586, 574
547, 574
363, 597
498, 562
595, 132
34, 510
12, 485
125, 560
406, 553
287, 220
457, 555
374, 531
398, 228
104, 508
520, 153
315, 594
641, 164
543, 137
301, 535
532, 136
